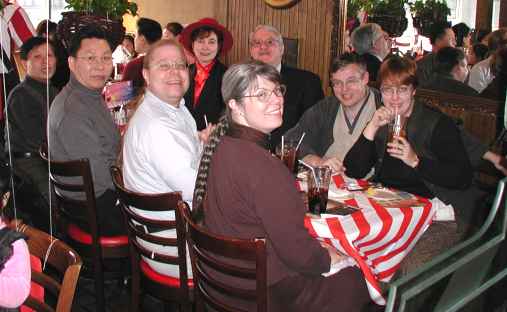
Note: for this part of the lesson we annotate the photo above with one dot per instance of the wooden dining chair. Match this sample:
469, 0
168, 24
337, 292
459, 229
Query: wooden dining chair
467, 268
62, 260
77, 219
223, 255
139, 227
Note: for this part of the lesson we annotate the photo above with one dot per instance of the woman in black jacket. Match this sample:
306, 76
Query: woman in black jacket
206, 39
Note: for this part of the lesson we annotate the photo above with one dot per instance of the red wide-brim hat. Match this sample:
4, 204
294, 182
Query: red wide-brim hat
186, 41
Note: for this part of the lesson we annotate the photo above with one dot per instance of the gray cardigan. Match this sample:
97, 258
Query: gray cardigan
81, 126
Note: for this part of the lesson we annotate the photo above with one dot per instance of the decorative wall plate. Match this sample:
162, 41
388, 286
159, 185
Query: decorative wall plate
280, 3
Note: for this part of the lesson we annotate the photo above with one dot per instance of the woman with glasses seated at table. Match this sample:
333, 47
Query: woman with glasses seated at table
248, 193
431, 161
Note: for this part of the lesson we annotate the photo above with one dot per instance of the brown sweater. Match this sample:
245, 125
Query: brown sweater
252, 194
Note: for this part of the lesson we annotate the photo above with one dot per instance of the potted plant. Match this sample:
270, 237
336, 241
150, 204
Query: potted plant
105, 13
390, 15
425, 13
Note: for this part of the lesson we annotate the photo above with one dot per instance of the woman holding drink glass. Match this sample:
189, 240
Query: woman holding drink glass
243, 191
428, 159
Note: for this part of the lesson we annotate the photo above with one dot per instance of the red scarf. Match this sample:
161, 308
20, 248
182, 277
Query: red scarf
200, 78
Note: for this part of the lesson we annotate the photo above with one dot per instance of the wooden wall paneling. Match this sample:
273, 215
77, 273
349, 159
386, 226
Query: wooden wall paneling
503, 14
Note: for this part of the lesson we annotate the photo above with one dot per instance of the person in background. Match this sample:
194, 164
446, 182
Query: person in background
481, 36
148, 32
207, 40
496, 89
481, 74
304, 88
477, 53
451, 73
162, 147
27, 107
441, 36
47, 29
374, 44
463, 36
15, 271
80, 125
125, 51
333, 125
246, 192
172, 30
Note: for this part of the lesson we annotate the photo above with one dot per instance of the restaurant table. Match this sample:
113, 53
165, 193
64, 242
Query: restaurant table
377, 237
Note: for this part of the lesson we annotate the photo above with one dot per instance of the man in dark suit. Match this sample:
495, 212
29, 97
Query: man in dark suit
304, 88
451, 72
441, 36
374, 44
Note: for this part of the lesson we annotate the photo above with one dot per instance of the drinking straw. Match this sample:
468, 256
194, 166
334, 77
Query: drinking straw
313, 172
206, 120
281, 150
300, 141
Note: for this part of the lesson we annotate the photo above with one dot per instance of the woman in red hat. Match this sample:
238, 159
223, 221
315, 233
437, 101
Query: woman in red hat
206, 39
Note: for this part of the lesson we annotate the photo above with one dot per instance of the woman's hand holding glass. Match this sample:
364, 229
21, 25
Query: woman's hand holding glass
400, 148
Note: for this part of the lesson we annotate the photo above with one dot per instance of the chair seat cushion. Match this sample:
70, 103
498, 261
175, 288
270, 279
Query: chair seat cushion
77, 234
160, 278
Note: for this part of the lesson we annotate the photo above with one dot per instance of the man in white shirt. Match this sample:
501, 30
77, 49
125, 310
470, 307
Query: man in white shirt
162, 147
480, 74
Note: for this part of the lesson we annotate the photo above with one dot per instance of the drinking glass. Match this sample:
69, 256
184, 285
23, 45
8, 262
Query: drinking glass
318, 186
288, 154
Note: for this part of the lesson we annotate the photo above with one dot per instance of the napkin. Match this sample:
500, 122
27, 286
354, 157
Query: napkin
336, 193
443, 212
337, 267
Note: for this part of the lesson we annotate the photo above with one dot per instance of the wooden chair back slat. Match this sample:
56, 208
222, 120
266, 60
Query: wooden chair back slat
75, 177
140, 227
478, 114
229, 256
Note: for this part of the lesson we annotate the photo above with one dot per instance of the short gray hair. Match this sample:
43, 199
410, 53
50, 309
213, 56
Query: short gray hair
363, 38
271, 29
242, 77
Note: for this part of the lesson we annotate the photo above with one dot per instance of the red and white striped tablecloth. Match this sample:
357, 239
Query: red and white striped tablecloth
378, 238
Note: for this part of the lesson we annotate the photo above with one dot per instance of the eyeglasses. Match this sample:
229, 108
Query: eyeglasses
93, 59
402, 91
268, 43
168, 66
349, 83
264, 94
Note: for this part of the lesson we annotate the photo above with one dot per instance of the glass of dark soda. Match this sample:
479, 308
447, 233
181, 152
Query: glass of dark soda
318, 186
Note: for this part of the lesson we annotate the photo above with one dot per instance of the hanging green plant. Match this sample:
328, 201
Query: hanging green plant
390, 15
113, 9
425, 13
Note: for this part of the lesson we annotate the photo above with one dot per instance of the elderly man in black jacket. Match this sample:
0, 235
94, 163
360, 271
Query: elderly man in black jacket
304, 88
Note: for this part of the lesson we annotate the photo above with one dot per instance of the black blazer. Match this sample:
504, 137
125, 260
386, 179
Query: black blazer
372, 65
304, 89
210, 101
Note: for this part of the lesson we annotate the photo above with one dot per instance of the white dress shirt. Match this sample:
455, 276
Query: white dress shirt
161, 153
481, 75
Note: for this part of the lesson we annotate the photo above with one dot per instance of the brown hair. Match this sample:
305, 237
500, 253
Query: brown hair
398, 71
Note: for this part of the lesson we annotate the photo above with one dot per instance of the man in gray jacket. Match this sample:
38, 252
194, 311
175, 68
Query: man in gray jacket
80, 125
